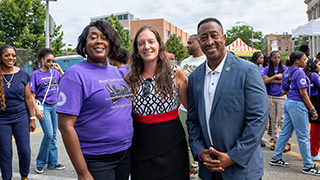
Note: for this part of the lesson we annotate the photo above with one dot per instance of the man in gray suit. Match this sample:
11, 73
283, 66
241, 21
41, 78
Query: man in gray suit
227, 110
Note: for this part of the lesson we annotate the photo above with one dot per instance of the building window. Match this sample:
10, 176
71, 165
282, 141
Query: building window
287, 49
125, 17
167, 34
120, 17
279, 48
179, 38
286, 41
279, 41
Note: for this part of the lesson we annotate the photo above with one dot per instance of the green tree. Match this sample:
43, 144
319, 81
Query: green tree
124, 34
22, 25
175, 47
244, 32
300, 41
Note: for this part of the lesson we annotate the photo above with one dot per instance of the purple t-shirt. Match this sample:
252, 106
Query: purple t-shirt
298, 80
262, 70
274, 89
101, 99
315, 83
39, 83
123, 70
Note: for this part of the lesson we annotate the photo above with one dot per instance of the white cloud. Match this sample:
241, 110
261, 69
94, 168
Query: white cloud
268, 16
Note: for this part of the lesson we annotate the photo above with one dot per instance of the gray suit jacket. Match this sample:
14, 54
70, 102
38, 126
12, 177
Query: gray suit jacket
238, 117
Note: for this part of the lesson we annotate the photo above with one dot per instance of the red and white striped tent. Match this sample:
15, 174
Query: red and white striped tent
239, 48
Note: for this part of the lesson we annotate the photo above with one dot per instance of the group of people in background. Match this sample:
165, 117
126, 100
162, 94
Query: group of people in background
293, 91
135, 113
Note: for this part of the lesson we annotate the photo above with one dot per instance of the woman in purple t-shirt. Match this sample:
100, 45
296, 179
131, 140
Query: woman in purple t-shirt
44, 88
272, 76
312, 71
296, 85
94, 108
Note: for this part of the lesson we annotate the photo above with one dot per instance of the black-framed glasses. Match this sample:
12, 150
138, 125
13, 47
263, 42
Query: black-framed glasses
147, 86
50, 60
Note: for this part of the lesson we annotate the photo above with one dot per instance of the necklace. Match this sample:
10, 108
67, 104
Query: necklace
8, 82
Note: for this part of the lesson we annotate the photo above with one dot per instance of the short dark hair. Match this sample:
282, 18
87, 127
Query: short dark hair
44, 52
194, 35
294, 56
122, 56
107, 30
255, 56
208, 20
304, 48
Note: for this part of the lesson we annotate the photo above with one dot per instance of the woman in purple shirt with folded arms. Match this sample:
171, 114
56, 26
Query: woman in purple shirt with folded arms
94, 108
272, 76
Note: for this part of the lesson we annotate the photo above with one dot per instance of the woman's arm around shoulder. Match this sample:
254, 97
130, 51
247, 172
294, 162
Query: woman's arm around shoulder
181, 83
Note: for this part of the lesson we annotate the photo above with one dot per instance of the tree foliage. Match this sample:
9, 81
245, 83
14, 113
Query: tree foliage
175, 47
244, 32
124, 34
22, 26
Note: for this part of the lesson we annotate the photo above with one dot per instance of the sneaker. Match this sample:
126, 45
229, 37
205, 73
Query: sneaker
311, 170
279, 162
316, 158
39, 170
57, 167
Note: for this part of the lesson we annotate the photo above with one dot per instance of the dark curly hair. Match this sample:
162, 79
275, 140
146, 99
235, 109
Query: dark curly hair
255, 56
3, 48
311, 66
43, 52
163, 72
107, 30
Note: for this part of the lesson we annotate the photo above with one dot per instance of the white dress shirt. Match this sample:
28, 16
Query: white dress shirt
210, 83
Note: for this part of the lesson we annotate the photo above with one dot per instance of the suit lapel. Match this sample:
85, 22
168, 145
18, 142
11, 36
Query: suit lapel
223, 80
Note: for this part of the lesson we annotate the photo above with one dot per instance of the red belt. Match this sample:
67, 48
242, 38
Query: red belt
156, 118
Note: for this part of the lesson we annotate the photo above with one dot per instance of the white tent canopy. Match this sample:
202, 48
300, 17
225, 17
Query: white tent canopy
311, 28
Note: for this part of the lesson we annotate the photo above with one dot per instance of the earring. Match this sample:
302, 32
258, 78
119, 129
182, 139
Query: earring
138, 56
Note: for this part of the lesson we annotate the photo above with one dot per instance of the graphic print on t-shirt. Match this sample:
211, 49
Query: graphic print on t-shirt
53, 85
117, 93
187, 69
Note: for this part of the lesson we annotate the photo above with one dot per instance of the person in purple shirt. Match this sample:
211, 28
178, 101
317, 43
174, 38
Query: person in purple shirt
120, 61
272, 76
312, 71
44, 87
296, 85
258, 58
94, 108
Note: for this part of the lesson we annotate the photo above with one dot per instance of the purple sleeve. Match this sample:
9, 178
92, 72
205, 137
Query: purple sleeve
301, 80
315, 79
265, 71
70, 97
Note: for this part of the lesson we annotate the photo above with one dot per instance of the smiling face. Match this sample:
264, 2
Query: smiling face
97, 47
48, 61
8, 58
212, 40
148, 46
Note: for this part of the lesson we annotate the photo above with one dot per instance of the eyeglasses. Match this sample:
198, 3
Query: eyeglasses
147, 86
50, 60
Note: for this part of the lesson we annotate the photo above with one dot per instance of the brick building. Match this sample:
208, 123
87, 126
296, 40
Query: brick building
133, 24
283, 41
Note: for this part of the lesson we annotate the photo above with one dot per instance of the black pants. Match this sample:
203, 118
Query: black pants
115, 166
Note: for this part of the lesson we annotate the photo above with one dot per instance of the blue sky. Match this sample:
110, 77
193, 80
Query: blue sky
268, 16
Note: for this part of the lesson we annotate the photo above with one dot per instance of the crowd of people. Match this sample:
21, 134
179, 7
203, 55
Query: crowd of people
136, 114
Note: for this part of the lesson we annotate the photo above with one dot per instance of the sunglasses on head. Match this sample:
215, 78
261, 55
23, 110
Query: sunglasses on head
50, 60
147, 86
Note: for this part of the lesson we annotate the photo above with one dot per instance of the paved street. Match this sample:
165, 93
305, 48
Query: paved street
271, 172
